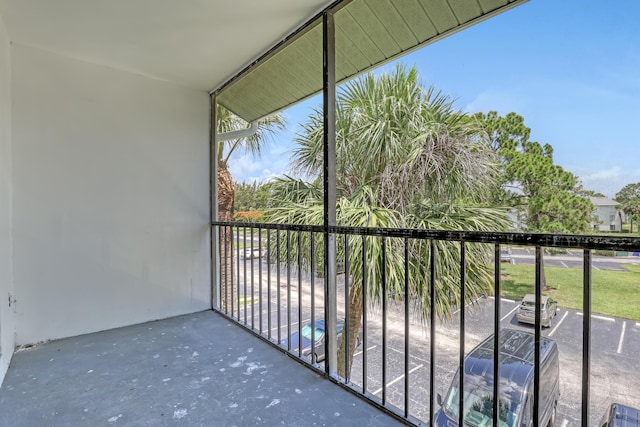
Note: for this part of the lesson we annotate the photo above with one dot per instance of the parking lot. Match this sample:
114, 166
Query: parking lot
614, 361
572, 259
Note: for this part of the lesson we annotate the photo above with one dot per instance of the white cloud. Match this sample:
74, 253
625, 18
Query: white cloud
247, 168
608, 181
492, 100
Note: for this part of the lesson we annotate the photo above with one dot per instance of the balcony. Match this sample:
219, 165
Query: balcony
107, 196
238, 367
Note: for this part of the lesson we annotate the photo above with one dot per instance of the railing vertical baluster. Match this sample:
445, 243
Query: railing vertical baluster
260, 297
250, 301
586, 337
237, 285
299, 293
432, 332
269, 283
288, 290
244, 276
384, 320
497, 288
347, 302
364, 314
312, 250
279, 303
406, 328
537, 337
222, 250
463, 279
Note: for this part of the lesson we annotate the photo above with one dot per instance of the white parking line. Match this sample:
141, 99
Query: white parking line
284, 325
624, 326
564, 265
638, 324
594, 267
360, 352
502, 299
510, 313
595, 316
566, 313
398, 379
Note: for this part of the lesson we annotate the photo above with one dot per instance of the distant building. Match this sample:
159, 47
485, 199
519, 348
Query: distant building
516, 217
609, 217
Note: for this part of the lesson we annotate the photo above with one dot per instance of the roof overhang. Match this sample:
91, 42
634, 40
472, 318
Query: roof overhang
368, 34
204, 44
194, 43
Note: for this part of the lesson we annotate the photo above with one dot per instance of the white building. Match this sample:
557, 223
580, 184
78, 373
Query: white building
609, 217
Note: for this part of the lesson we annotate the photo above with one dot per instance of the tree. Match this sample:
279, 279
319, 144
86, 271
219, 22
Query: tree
252, 144
591, 193
405, 159
551, 197
629, 199
250, 197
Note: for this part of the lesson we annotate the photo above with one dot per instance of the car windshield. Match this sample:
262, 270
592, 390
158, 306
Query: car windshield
306, 332
478, 407
528, 304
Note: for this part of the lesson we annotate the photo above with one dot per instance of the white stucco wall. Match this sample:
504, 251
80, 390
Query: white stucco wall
110, 197
604, 214
7, 327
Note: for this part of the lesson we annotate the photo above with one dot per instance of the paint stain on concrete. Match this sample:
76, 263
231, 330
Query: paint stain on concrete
274, 402
114, 419
180, 413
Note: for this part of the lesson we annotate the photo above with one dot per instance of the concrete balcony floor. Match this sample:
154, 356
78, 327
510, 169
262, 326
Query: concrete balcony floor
191, 370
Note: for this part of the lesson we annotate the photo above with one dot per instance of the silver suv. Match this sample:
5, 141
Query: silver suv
527, 311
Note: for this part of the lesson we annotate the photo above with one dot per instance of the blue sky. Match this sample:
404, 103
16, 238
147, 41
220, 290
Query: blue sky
570, 68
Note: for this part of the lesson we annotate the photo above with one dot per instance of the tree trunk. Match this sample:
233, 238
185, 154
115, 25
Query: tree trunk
354, 320
226, 196
543, 276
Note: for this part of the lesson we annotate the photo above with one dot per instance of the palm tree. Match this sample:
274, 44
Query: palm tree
228, 122
406, 158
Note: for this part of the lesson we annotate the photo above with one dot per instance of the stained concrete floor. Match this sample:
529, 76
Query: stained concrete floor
192, 370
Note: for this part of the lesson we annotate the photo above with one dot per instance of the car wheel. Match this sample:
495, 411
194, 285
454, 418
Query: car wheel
552, 420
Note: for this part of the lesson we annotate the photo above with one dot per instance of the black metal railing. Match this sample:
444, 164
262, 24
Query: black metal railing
274, 275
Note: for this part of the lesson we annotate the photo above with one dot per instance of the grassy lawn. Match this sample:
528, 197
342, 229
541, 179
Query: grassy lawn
614, 293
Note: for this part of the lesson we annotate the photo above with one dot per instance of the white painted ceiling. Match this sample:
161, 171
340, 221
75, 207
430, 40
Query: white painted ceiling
196, 43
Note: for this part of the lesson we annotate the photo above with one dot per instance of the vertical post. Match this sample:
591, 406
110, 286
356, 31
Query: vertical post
364, 314
586, 336
407, 347
383, 278
537, 338
496, 335
432, 333
213, 208
329, 130
463, 302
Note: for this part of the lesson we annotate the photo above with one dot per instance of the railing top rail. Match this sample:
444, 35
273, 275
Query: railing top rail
567, 241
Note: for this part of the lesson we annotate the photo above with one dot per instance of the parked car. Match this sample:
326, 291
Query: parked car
619, 415
316, 353
517, 350
527, 311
